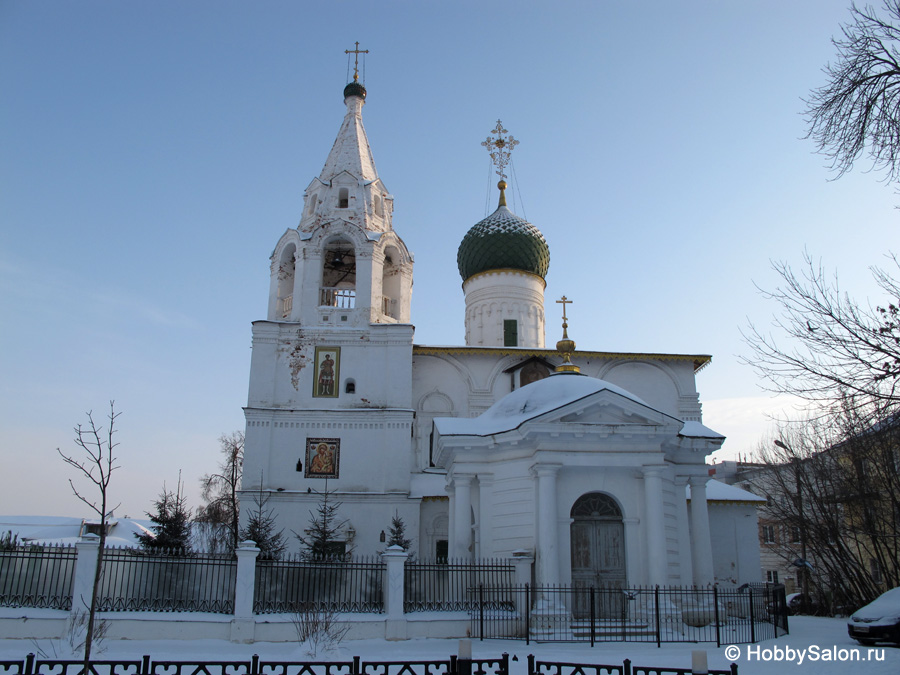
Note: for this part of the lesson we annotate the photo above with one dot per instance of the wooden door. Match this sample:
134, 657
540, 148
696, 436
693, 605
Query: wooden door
598, 557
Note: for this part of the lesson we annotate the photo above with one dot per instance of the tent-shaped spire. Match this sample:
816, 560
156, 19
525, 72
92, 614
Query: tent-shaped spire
351, 151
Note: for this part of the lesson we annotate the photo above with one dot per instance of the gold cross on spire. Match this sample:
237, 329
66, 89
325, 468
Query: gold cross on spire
566, 346
356, 52
500, 148
564, 301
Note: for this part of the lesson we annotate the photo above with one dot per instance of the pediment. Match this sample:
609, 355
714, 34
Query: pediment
602, 405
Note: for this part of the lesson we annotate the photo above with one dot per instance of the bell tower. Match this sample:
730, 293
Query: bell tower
330, 403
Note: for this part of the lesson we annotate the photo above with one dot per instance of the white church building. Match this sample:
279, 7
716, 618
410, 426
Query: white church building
591, 462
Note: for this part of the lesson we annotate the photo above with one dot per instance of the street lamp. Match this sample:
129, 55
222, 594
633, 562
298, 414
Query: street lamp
802, 564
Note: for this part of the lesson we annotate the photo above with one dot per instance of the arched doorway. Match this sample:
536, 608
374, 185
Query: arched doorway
598, 554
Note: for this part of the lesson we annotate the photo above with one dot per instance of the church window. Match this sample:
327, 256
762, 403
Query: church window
510, 333
350, 387
390, 283
441, 551
343, 198
379, 208
285, 276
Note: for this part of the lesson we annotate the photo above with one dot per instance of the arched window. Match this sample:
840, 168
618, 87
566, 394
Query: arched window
338, 275
343, 198
285, 274
350, 387
390, 283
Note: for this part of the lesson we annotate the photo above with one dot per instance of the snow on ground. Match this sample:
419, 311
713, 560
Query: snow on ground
827, 636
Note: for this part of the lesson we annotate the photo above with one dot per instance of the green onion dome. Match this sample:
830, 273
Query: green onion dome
503, 241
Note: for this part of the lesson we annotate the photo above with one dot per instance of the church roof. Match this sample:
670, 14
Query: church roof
717, 491
351, 151
528, 402
503, 240
699, 360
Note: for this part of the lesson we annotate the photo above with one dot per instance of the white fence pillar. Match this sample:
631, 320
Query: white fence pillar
85, 569
243, 626
395, 624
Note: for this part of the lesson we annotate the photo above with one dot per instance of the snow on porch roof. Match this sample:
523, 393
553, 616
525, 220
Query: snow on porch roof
717, 491
528, 402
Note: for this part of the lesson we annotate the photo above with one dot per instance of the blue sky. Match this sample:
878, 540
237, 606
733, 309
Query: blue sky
151, 155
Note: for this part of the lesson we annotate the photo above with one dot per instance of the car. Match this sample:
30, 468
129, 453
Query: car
798, 603
879, 621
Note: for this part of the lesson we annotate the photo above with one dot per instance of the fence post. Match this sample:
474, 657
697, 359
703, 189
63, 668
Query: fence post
243, 625
626, 667
394, 563
658, 627
716, 601
531, 664
522, 560
85, 569
29, 664
593, 615
752, 618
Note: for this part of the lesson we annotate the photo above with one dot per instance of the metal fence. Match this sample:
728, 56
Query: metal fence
32, 665
536, 667
443, 585
132, 580
295, 585
641, 614
37, 576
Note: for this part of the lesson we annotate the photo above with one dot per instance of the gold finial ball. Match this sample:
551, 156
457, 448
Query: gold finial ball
502, 185
565, 346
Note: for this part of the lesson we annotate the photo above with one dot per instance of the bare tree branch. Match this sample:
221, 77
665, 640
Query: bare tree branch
828, 345
858, 111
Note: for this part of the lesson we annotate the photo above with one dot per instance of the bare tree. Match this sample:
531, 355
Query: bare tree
96, 463
858, 110
833, 485
829, 346
219, 517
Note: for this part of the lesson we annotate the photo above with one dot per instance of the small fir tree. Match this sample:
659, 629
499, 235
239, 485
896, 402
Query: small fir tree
171, 524
397, 535
260, 528
320, 540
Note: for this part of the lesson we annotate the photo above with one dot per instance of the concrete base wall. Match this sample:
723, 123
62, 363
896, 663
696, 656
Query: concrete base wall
44, 624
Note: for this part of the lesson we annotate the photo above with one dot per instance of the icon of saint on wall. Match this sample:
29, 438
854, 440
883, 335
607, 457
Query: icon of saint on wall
328, 363
322, 457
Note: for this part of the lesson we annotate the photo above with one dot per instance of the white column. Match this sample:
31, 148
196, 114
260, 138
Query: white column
686, 571
547, 534
701, 546
85, 569
462, 516
243, 627
485, 516
655, 530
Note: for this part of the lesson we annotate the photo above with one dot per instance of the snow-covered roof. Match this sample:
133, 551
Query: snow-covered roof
717, 491
697, 430
528, 402
66, 530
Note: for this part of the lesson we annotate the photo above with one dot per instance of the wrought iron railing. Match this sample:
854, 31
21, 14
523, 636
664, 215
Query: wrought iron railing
37, 576
340, 585
132, 580
536, 667
638, 614
444, 585
32, 665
